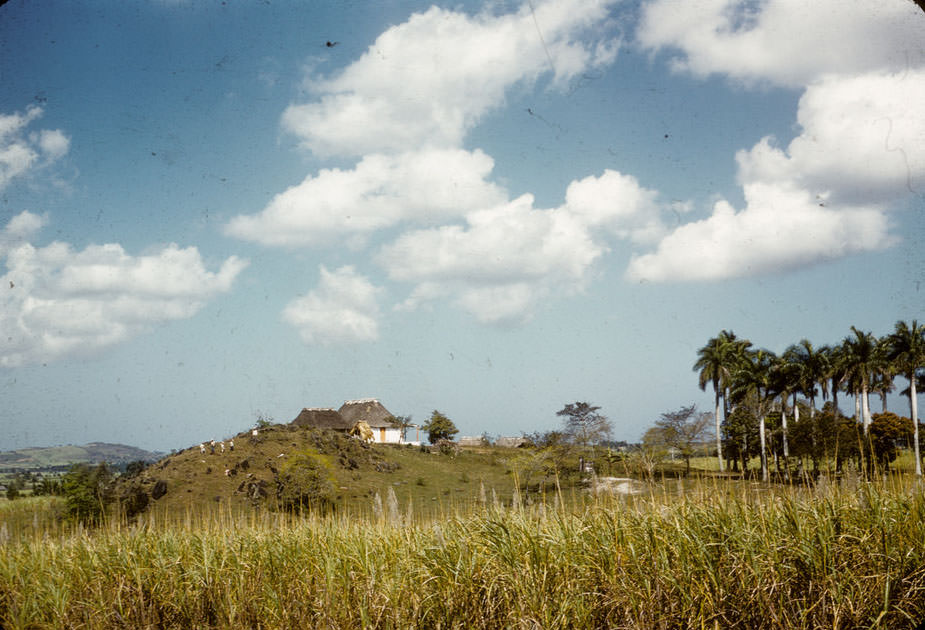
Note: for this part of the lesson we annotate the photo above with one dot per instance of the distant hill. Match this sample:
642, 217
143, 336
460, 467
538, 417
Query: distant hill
60, 457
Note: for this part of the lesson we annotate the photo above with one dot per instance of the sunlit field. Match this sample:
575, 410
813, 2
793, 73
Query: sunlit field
716, 555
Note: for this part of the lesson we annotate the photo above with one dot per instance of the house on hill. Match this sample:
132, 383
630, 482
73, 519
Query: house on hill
369, 410
380, 420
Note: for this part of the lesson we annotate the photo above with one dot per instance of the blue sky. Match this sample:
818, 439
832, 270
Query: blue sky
490, 209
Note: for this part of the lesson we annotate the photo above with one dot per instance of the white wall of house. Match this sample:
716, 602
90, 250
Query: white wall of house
388, 435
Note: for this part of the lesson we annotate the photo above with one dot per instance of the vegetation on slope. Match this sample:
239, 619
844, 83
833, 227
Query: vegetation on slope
255, 473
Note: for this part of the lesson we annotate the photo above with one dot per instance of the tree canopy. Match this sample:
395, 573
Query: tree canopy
439, 427
584, 425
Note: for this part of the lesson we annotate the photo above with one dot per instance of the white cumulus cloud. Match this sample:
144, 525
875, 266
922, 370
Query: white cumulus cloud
862, 139
21, 152
505, 259
404, 109
781, 228
427, 81
343, 308
784, 42
421, 186
56, 302
860, 149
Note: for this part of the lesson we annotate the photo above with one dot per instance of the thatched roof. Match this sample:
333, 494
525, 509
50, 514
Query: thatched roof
322, 418
368, 410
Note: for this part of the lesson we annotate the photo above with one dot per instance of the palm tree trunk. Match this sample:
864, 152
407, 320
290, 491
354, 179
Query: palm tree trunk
914, 410
719, 439
764, 454
783, 426
865, 407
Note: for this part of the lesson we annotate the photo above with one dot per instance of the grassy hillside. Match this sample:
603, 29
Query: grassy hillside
57, 457
247, 476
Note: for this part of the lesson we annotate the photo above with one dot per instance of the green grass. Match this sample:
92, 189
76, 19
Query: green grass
432, 482
722, 555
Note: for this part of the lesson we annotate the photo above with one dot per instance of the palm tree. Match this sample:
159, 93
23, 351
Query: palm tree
751, 385
861, 360
813, 367
834, 373
907, 354
716, 361
884, 372
785, 380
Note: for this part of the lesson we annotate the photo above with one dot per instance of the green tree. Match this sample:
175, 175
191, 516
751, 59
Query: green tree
87, 492
684, 430
740, 437
584, 425
861, 360
752, 387
907, 354
46, 487
439, 427
839, 437
716, 362
886, 431
134, 468
812, 367
263, 420
785, 380
834, 373
306, 482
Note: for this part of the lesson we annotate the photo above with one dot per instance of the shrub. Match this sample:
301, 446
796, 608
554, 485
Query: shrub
305, 481
133, 469
439, 427
135, 501
87, 491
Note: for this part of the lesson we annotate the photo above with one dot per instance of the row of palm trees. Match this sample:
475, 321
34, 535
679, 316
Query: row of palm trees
764, 381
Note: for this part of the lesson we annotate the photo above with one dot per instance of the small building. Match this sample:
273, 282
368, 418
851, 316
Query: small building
385, 429
511, 442
473, 441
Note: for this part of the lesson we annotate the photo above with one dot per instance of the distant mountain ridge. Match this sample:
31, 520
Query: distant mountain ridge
56, 457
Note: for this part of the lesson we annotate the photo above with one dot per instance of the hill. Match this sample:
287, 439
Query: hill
247, 477
61, 457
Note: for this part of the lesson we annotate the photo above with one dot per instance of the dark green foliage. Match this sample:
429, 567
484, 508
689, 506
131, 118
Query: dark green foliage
305, 482
133, 469
87, 492
740, 436
546, 439
439, 427
887, 432
135, 501
46, 486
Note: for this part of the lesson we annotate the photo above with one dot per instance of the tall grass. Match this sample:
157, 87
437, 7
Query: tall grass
721, 555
